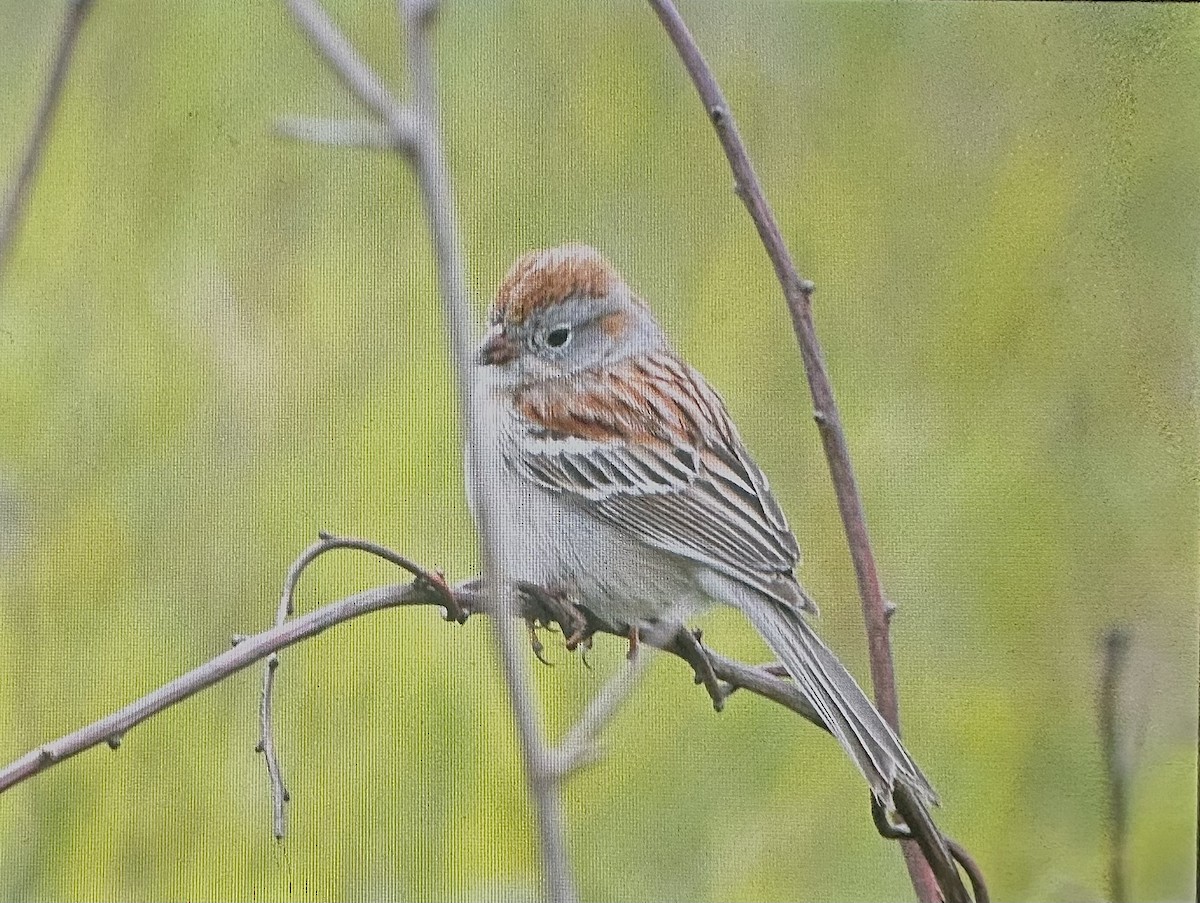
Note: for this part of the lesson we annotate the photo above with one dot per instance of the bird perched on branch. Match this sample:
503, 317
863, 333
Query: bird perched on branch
617, 479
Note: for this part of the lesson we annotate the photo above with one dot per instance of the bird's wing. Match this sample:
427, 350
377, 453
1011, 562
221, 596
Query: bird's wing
649, 447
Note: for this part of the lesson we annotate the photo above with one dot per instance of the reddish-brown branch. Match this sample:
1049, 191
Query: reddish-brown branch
798, 294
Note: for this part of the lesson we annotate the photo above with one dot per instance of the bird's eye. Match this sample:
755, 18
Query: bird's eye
558, 336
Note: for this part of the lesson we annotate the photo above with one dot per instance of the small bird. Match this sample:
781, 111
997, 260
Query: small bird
617, 479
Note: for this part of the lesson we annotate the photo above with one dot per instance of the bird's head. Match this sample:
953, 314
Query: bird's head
562, 311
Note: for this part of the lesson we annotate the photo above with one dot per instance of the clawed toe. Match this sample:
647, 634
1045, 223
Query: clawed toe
692, 651
555, 605
535, 642
580, 636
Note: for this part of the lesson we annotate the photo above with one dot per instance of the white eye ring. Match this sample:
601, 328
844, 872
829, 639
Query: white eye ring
558, 337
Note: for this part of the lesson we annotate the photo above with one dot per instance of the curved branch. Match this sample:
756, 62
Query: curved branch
971, 867
428, 589
798, 294
441, 594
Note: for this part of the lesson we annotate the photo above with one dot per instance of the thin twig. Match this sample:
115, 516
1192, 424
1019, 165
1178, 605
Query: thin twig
971, 867
578, 746
344, 132
798, 293
280, 796
354, 72
424, 591
246, 651
932, 846
433, 176
423, 147
325, 543
1116, 646
14, 202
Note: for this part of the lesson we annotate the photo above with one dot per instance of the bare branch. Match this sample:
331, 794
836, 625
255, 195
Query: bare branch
440, 594
353, 71
433, 175
577, 748
421, 143
346, 132
971, 867
933, 847
14, 202
798, 293
246, 651
1116, 647
425, 590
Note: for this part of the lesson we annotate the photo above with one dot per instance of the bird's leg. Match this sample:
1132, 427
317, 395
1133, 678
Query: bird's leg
535, 643
691, 650
885, 826
635, 642
555, 604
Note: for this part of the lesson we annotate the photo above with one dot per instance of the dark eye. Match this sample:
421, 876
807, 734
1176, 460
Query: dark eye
558, 336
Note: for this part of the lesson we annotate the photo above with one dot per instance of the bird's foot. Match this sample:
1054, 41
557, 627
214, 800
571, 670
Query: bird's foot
554, 604
635, 643
884, 824
692, 651
535, 643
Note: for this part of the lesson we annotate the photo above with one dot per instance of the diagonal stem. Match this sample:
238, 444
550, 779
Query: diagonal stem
18, 193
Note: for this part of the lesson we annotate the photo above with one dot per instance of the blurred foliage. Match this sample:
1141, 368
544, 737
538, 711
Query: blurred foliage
214, 342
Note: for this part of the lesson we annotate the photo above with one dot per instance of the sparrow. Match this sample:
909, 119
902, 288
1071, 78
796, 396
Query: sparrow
615, 477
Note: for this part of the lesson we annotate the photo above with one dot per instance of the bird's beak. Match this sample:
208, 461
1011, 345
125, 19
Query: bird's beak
497, 347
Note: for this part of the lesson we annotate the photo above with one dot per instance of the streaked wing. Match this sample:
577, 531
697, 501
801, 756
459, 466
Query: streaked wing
652, 450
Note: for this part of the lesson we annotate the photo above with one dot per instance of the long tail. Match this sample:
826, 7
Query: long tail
840, 702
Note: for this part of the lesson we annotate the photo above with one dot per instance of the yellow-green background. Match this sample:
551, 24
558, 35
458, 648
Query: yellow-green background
214, 342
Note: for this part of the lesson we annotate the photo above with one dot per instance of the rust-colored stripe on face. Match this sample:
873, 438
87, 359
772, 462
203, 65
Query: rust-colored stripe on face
542, 278
615, 324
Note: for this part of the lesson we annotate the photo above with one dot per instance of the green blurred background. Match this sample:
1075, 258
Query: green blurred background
214, 342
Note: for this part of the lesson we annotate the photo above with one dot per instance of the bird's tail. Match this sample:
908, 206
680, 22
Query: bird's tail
840, 702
